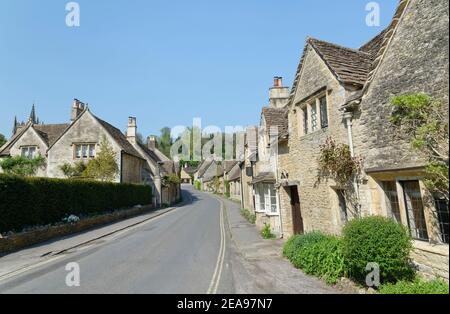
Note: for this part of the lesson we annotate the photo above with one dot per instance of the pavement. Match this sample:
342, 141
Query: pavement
258, 265
202, 246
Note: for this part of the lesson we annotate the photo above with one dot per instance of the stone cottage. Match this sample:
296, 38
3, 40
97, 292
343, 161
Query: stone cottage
345, 94
273, 123
78, 141
233, 176
413, 57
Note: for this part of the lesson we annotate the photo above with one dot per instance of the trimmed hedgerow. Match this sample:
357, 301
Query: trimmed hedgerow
298, 242
27, 202
322, 258
317, 254
378, 240
418, 286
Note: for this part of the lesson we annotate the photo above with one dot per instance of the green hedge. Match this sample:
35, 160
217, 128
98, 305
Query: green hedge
298, 242
378, 240
317, 254
27, 202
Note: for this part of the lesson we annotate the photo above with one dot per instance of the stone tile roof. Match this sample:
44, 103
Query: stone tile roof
348, 65
268, 177
152, 154
383, 41
5, 149
50, 132
235, 173
374, 45
276, 117
203, 167
120, 138
219, 172
167, 167
190, 169
228, 165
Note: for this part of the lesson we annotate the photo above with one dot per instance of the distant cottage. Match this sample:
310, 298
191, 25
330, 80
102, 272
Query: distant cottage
79, 141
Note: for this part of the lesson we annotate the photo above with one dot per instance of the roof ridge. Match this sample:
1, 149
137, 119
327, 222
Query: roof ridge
312, 39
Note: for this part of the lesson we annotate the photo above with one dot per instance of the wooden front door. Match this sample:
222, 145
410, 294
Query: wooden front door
297, 219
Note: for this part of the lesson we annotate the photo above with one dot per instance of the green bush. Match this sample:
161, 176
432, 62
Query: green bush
198, 185
27, 202
251, 218
227, 189
418, 286
320, 256
266, 232
297, 242
377, 240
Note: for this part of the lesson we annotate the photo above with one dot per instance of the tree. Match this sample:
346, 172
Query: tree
425, 121
104, 167
73, 171
165, 141
21, 166
2, 140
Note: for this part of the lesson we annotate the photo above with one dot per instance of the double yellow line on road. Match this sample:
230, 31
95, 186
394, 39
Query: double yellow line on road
214, 285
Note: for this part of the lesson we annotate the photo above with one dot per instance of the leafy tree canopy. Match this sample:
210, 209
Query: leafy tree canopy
425, 121
21, 166
2, 140
104, 167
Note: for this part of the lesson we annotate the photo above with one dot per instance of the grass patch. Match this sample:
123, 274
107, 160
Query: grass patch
418, 286
248, 215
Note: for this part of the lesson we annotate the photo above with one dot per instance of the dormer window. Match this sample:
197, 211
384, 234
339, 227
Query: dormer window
29, 152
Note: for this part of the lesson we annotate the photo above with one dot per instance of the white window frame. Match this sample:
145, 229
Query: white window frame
25, 152
308, 109
266, 199
84, 150
314, 116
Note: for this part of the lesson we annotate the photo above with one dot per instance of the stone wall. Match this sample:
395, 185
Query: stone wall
416, 61
31, 138
131, 169
85, 130
298, 159
431, 260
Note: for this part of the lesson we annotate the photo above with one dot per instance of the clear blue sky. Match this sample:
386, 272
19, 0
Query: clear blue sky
164, 61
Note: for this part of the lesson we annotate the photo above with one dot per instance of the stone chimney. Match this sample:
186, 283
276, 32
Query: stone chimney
132, 130
77, 108
278, 94
151, 142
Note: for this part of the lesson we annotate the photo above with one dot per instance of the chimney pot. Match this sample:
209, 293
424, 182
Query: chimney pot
151, 142
277, 81
132, 130
77, 109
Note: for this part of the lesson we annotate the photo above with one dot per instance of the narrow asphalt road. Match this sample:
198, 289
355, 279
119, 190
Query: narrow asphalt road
183, 251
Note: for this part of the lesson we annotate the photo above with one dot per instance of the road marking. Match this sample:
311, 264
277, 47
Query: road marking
214, 285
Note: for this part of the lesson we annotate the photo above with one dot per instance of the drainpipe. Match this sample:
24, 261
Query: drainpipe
279, 198
348, 117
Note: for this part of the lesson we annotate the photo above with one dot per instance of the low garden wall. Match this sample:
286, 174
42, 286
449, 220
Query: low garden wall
22, 240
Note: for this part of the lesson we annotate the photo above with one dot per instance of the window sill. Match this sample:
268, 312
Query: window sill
439, 248
311, 134
272, 214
